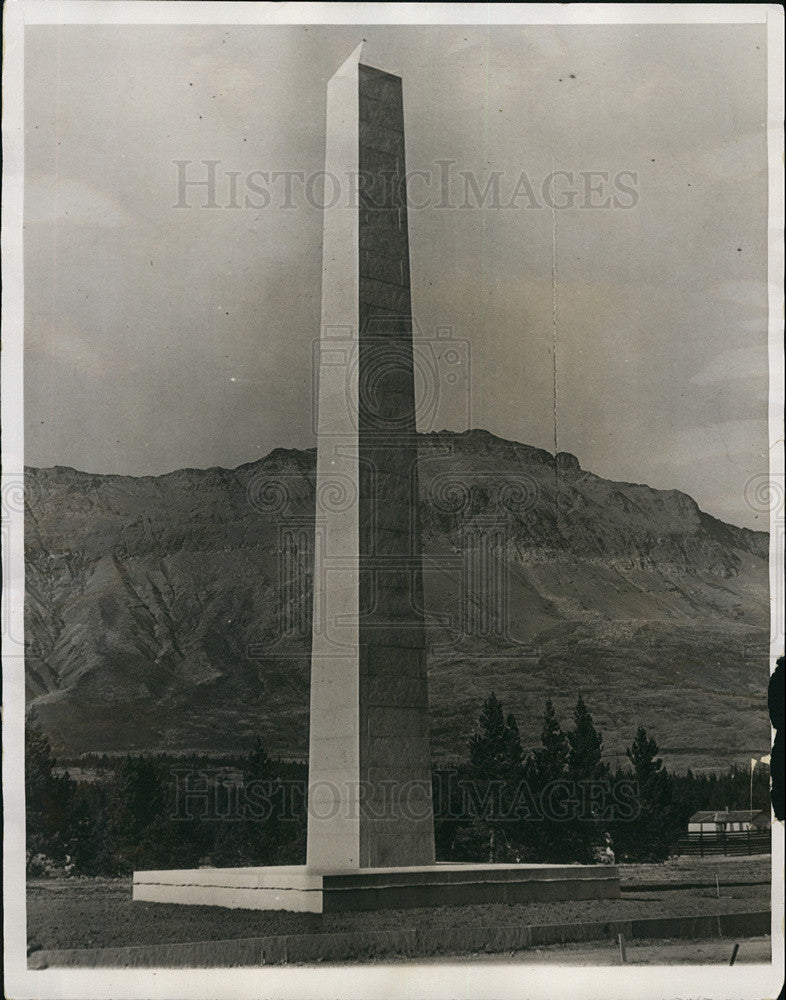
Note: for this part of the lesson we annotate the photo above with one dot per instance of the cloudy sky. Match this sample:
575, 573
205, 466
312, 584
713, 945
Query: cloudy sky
158, 337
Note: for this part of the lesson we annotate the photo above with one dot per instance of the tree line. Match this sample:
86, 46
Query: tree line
559, 802
563, 802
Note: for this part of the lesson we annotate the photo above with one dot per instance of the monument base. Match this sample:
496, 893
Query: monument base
295, 887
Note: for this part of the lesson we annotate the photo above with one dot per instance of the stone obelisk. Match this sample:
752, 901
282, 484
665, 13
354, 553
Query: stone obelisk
369, 761
370, 814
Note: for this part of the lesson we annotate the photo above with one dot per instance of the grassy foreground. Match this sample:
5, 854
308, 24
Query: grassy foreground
100, 913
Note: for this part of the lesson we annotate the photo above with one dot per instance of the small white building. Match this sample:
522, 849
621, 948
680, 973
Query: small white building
729, 821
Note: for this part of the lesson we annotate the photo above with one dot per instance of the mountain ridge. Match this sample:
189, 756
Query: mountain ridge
159, 613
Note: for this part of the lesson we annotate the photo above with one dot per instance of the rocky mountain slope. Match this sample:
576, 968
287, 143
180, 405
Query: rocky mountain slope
175, 611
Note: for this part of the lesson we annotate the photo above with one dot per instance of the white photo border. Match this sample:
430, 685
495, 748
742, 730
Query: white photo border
376, 980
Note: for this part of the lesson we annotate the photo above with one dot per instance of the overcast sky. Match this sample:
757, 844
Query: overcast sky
160, 337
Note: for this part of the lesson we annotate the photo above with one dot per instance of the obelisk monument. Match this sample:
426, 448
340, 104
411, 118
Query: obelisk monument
369, 760
370, 815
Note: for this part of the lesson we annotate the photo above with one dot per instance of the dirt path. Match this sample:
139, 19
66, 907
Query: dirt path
716, 952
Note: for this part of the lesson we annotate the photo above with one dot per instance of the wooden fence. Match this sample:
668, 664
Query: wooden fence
730, 844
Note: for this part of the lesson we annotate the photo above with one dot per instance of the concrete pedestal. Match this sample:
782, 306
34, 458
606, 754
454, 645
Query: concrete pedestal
307, 890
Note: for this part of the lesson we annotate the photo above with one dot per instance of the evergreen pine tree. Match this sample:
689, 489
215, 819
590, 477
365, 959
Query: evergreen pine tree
586, 746
495, 749
551, 757
46, 799
550, 838
496, 758
585, 765
652, 833
514, 753
642, 753
258, 761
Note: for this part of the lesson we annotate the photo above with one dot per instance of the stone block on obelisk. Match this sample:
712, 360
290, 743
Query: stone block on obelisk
369, 760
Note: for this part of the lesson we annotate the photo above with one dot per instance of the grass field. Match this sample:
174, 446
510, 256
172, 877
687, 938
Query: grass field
96, 913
